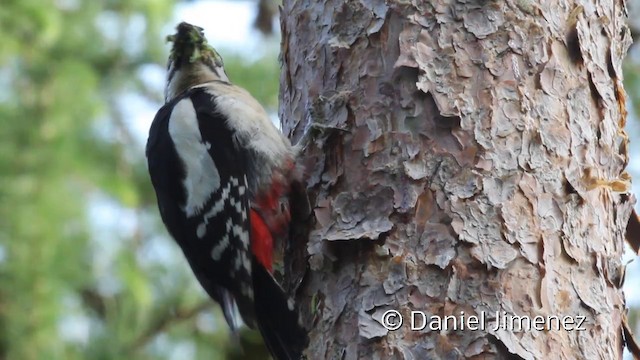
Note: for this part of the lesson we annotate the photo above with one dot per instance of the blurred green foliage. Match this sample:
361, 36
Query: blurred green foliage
76, 282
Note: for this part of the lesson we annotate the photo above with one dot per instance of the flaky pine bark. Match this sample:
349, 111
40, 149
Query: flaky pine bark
479, 169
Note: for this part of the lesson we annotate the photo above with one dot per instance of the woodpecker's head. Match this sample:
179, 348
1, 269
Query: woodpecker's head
192, 61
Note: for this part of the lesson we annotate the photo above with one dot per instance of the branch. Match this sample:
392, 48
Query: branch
164, 322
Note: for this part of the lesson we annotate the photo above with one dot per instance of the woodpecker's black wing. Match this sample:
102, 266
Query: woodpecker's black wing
198, 176
275, 316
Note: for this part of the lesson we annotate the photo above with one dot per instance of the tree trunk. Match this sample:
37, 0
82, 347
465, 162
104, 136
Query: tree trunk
472, 166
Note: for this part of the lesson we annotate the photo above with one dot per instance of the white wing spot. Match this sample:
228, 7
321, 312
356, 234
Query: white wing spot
241, 233
244, 213
246, 290
201, 175
201, 231
215, 209
246, 245
245, 261
216, 252
219, 205
242, 261
237, 263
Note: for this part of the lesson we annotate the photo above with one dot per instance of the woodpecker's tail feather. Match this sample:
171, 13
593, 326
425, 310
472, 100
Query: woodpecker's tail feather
277, 319
229, 309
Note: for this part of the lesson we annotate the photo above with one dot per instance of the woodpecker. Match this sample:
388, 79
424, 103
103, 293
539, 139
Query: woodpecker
222, 172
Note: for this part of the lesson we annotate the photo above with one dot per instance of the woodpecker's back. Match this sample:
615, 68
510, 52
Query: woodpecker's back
220, 170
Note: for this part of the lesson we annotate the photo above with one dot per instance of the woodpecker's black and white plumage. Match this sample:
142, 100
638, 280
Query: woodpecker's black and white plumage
220, 170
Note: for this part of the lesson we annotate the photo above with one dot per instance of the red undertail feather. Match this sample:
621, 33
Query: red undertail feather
270, 218
261, 241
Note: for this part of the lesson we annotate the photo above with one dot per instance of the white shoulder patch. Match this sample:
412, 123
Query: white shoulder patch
202, 178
